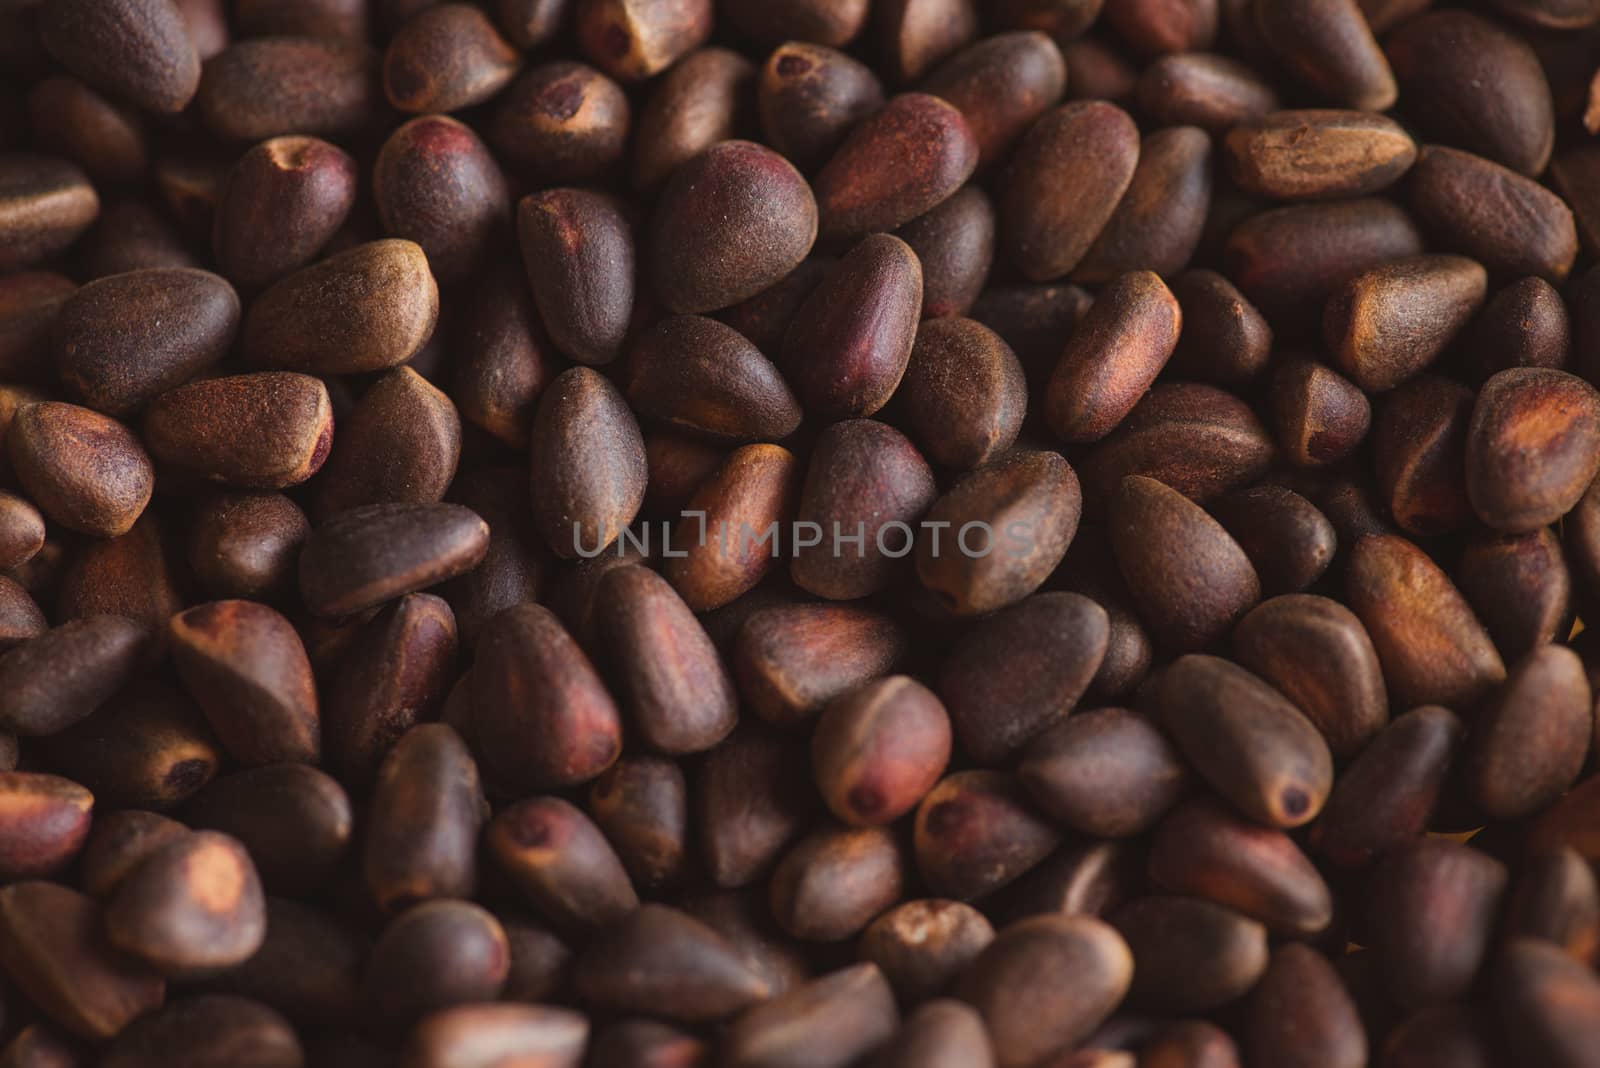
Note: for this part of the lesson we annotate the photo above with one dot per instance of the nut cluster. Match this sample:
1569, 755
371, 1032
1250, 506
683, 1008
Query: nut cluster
799, 533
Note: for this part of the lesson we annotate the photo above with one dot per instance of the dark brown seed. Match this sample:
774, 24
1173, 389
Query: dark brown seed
448, 57
1224, 337
964, 395
136, 49
1045, 984
1525, 324
394, 675
21, 531
272, 86
697, 103
915, 35
123, 340
1089, 148
1466, 82
476, 1036
1547, 1003
1033, 498
955, 244
633, 41
731, 533
940, 1034
248, 670
1018, 673
1432, 648
899, 163
1317, 653
1001, 85
205, 1029
1301, 1014
1189, 577
400, 443
256, 431
1389, 323
504, 361
368, 556
148, 747
852, 338
1108, 773
106, 139
1113, 357
1532, 448
791, 660
589, 464
1529, 742
20, 617
364, 309
133, 235
1305, 155
878, 751
283, 201
642, 805
1519, 585
246, 545
515, 565
539, 960
45, 204
1246, 739
40, 1046
832, 882
1556, 898
1289, 541
1288, 260
1552, 14
1201, 849
810, 95
127, 576
1319, 415
29, 304
1575, 174
1212, 92
1189, 955
1033, 320
1442, 1036
436, 184
58, 678
309, 18
1157, 223
752, 800
560, 862
1156, 27
1386, 797
295, 821
192, 908
53, 948
579, 252
426, 808
698, 375
541, 717
1183, 1044
732, 221
975, 833
1508, 223
921, 946
85, 471
432, 957
680, 697
1198, 439
765, 318
1569, 823
836, 1020
865, 488
828, 22
44, 820
1431, 913
665, 962
561, 121
1328, 46
1420, 440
